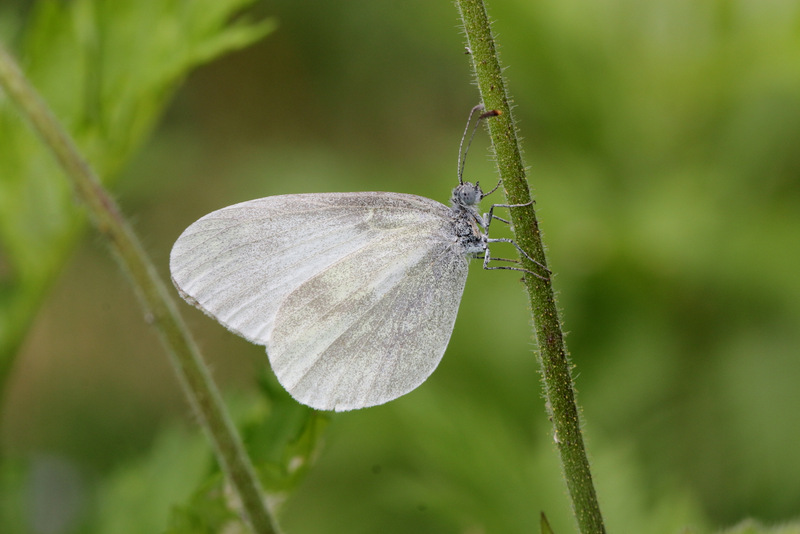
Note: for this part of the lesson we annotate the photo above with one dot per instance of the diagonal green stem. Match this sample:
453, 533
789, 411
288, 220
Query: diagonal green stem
159, 306
553, 357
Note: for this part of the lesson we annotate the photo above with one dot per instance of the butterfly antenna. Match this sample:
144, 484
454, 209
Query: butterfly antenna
462, 151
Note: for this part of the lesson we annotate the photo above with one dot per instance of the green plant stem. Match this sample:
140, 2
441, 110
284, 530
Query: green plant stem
160, 308
553, 357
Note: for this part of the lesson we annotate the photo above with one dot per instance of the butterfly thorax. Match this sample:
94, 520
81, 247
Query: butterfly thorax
467, 221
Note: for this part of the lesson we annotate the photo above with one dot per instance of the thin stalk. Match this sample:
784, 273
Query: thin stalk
553, 357
160, 308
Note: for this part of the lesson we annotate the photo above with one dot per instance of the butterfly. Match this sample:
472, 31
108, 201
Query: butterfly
354, 295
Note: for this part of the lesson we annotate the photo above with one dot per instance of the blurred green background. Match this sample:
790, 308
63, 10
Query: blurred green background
663, 142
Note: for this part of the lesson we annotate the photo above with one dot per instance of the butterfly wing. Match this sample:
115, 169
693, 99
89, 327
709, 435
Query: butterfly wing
354, 295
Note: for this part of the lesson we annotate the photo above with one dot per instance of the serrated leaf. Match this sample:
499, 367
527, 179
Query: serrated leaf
107, 70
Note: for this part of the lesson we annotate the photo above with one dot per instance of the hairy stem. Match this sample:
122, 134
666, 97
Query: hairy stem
553, 357
159, 307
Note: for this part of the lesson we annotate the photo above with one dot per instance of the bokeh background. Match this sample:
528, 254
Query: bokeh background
663, 139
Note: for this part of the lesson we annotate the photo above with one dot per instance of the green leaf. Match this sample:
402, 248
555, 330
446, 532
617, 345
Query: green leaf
50, 493
150, 488
544, 524
107, 69
751, 526
282, 438
13, 507
209, 511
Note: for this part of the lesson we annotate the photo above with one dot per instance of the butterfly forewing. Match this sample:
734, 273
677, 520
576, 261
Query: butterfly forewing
353, 294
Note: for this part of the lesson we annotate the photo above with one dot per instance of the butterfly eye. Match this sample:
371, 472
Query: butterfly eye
467, 194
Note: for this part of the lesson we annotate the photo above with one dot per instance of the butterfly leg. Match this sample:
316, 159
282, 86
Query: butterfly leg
487, 219
492, 258
487, 257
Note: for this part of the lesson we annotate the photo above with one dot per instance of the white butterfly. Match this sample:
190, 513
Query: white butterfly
354, 295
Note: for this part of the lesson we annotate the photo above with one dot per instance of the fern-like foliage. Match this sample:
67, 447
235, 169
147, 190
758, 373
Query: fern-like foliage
107, 69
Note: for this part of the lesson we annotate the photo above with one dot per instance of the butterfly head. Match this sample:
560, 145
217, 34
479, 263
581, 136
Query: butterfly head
467, 195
